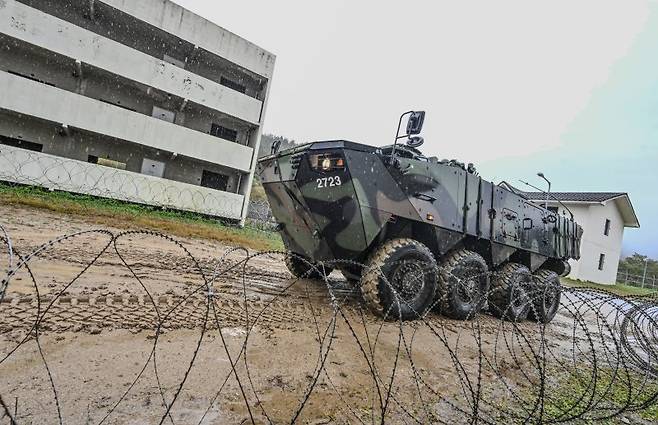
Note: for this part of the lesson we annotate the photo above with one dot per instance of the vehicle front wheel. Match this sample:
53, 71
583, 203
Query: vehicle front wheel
305, 269
399, 279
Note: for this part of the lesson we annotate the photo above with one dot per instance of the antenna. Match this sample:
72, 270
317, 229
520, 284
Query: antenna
547, 195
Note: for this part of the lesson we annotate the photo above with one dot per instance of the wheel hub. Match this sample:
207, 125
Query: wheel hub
408, 279
468, 288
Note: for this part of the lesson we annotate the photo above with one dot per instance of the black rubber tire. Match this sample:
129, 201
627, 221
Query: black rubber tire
462, 273
508, 298
545, 295
306, 269
384, 268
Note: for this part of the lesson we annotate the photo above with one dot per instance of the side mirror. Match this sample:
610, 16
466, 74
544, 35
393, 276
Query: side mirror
415, 123
415, 142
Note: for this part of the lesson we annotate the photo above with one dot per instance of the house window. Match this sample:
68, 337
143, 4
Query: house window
214, 180
232, 85
223, 132
606, 230
601, 261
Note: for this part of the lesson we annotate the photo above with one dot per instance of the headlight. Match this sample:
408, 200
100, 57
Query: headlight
327, 162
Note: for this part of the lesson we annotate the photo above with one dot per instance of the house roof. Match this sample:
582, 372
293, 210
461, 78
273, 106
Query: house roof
621, 199
575, 196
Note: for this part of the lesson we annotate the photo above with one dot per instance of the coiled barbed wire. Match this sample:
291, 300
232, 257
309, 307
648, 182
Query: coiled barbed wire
596, 361
24, 167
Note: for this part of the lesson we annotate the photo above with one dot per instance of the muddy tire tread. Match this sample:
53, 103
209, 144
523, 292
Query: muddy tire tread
370, 279
499, 289
543, 276
448, 263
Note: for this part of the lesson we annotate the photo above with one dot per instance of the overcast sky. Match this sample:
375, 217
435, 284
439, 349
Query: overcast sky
566, 87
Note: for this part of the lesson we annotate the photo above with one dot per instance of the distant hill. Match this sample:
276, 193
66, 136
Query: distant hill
266, 144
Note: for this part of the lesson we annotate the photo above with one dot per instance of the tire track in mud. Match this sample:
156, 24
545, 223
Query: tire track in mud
136, 313
133, 312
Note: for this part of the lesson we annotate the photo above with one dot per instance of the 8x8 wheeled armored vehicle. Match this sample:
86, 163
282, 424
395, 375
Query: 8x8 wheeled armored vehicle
416, 232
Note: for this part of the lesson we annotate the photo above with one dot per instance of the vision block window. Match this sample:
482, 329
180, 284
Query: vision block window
22, 144
601, 261
214, 180
552, 209
606, 230
232, 85
224, 133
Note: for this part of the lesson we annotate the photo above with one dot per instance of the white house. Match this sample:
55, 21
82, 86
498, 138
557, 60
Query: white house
603, 216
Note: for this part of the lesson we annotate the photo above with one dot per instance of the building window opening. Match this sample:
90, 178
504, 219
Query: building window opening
601, 261
233, 85
154, 168
106, 162
22, 144
31, 77
214, 180
163, 114
118, 103
173, 61
606, 230
223, 133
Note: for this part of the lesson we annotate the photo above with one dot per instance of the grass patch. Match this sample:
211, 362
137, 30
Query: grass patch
109, 212
622, 290
612, 392
575, 397
258, 192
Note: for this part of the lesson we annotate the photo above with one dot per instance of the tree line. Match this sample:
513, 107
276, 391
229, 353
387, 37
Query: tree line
634, 265
267, 140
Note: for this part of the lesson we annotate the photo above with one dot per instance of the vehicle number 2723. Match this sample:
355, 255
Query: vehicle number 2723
329, 182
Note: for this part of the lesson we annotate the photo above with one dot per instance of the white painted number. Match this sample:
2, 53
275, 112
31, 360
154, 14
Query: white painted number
329, 182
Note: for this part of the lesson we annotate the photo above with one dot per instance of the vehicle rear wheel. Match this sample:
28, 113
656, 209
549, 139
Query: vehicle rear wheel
306, 269
400, 279
545, 294
463, 284
508, 298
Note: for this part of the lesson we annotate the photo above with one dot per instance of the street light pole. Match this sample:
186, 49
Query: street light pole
540, 174
644, 276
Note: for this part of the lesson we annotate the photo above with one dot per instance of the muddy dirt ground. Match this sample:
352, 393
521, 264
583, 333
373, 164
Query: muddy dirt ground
138, 337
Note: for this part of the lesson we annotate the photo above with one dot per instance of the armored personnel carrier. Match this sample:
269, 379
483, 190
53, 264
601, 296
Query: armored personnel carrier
415, 232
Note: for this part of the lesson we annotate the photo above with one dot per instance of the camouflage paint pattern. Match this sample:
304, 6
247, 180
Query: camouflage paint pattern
343, 221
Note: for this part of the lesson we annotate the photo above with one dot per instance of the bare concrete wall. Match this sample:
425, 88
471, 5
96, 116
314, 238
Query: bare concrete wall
54, 172
60, 37
128, 30
112, 64
79, 145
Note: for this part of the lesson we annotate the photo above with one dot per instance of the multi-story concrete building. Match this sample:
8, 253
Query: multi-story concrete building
137, 100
